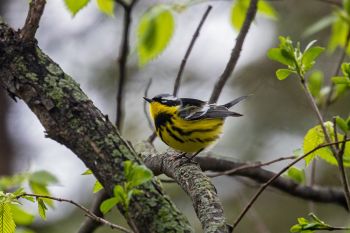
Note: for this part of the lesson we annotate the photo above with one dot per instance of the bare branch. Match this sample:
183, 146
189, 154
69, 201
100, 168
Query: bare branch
86, 210
248, 166
220, 83
264, 186
188, 51
36, 9
145, 94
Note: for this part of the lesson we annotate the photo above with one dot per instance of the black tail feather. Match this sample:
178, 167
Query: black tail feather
235, 101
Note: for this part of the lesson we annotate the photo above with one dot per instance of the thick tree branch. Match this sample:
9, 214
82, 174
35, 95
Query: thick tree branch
70, 118
193, 181
220, 83
36, 9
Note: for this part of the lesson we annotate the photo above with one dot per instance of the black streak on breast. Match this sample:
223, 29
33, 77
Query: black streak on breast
161, 119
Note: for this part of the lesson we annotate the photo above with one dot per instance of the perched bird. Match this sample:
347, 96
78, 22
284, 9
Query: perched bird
189, 125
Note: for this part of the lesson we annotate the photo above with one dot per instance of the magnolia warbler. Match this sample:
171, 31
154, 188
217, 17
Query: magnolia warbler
189, 125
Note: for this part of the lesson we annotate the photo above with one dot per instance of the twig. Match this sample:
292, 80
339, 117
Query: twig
145, 94
86, 210
329, 100
343, 175
36, 9
264, 186
122, 60
248, 166
90, 225
188, 52
220, 83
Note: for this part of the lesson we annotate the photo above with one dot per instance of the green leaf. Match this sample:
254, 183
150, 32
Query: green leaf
315, 83
155, 30
238, 12
342, 124
280, 56
20, 216
106, 6
8, 182
314, 138
42, 208
319, 25
108, 204
138, 175
41, 190
309, 57
7, 224
97, 187
345, 67
87, 172
43, 177
296, 174
75, 5
267, 10
283, 73
338, 35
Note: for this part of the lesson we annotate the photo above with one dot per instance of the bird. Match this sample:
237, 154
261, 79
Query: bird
189, 125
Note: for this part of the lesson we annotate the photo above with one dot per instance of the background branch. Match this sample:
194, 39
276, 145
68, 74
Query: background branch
220, 83
36, 9
188, 51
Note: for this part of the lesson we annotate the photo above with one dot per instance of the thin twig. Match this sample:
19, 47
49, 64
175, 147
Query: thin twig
329, 99
248, 166
188, 51
220, 83
86, 210
344, 177
90, 225
145, 94
36, 9
264, 186
122, 61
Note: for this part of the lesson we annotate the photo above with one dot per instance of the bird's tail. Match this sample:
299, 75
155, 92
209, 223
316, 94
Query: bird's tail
235, 101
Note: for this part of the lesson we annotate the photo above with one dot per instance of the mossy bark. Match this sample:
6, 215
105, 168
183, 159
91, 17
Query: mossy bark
70, 118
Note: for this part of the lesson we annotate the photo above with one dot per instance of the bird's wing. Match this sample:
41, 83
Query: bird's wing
192, 102
205, 111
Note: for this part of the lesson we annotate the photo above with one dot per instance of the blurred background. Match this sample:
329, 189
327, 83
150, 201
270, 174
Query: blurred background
275, 120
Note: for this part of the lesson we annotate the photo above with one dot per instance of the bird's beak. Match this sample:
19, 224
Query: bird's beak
147, 99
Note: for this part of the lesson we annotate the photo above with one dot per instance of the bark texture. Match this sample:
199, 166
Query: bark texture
70, 118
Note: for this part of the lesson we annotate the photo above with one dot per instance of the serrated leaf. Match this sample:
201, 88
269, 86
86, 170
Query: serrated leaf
315, 83
41, 208
283, 73
108, 204
280, 56
342, 124
310, 56
20, 216
296, 174
97, 187
74, 6
7, 224
43, 177
155, 30
106, 6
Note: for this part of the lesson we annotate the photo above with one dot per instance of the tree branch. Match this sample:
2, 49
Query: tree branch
70, 118
188, 51
36, 9
220, 83
193, 181
86, 210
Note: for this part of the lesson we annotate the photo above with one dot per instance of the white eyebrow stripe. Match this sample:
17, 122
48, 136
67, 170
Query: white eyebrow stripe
170, 98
